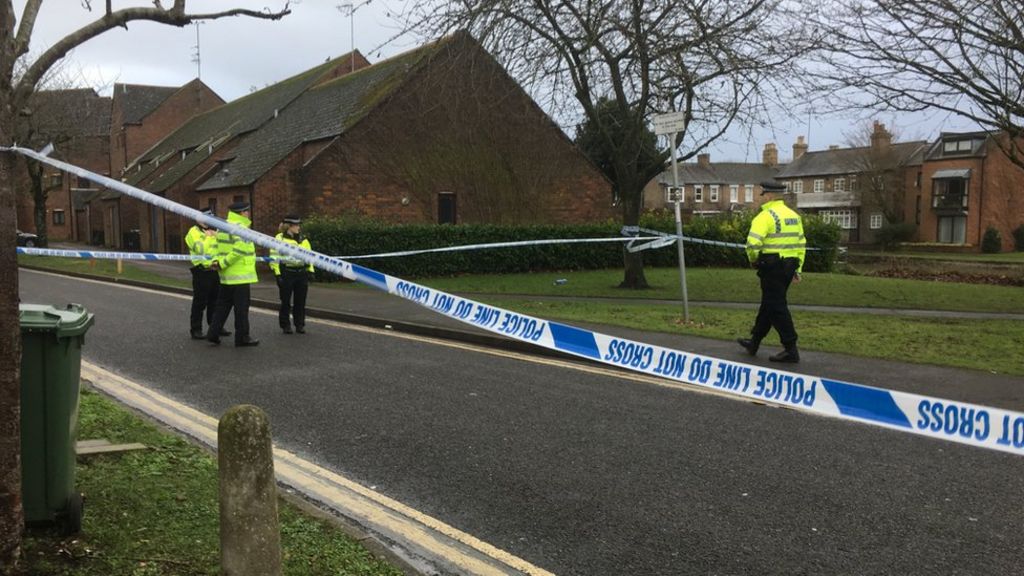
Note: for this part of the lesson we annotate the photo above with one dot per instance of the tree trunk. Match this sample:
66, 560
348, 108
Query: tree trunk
39, 194
11, 514
633, 262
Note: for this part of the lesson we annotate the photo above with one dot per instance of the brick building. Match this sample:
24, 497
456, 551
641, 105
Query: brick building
712, 188
438, 134
100, 134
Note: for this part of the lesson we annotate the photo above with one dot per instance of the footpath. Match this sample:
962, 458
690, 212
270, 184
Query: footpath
370, 307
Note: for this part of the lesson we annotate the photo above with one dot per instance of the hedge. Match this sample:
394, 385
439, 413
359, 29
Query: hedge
348, 238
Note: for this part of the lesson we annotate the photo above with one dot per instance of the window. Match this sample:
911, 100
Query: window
789, 185
83, 183
798, 186
952, 229
698, 193
853, 183
957, 146
714, 193
56, 180
819, 186
846, 219
949, 193
58, 217
211, 203
876, 221
734, 194
748, 193
917, 180
839, 185
238, 198
446, 208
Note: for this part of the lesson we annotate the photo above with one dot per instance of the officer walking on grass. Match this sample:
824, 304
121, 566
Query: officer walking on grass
202, 246
292, 276
776, 247
236, 263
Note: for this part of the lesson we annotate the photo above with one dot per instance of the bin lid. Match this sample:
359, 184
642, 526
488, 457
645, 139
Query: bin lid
71, 320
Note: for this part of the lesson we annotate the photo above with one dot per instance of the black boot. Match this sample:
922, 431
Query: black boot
286, 329
789, 355
197, 334
749, 345
247, 342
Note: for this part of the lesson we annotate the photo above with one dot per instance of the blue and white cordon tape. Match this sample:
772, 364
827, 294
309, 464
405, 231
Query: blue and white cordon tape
960, 422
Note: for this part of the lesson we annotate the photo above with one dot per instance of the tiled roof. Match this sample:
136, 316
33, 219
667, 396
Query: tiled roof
221, 125
137, 100
61, 114
721, 173
322, 112
843, 160
978, 140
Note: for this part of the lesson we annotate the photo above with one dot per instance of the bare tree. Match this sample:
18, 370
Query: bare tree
717, 62
15, 93
965, 57
879, 166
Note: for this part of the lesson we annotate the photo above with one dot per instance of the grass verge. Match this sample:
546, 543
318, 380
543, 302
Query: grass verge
155, 513
740, 285
989, 345
100, 268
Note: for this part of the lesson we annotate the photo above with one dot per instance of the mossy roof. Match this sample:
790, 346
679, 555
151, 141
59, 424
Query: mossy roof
221, 125
138, 100
322, 112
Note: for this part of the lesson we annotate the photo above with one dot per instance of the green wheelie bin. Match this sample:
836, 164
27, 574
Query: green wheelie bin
51, 354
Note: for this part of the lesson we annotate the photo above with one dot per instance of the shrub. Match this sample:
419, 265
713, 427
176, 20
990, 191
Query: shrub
347, 238
889, 235
991, 242
1018, 238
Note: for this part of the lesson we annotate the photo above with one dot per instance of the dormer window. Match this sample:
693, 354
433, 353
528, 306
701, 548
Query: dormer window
953, 147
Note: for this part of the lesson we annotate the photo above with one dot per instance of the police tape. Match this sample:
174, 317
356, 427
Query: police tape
111, 255
665, 239
960, 422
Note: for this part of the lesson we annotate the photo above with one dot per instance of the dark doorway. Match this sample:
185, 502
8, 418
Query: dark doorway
446, 208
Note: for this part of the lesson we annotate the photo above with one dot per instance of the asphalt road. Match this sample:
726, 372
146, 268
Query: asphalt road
577, 472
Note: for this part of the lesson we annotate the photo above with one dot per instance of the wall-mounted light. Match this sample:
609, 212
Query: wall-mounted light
405, 200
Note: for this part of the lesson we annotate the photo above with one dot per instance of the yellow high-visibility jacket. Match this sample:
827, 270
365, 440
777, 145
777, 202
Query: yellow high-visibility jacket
199, 245
279, 259
777, 229
236, 256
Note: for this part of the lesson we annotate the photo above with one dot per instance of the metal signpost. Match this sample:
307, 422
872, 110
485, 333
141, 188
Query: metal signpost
670, 125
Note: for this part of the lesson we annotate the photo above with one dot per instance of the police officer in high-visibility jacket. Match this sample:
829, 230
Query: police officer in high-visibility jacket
202, 246
236, 264
292, 275
776, 247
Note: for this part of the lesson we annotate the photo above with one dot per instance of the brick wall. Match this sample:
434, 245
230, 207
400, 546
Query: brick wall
461, 125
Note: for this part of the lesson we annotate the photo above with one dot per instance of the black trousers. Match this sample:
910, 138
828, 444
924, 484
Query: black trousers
292, 286
776, 275
236, 297
205, 283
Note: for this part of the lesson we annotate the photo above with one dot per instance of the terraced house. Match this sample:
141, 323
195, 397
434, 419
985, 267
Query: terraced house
437, 134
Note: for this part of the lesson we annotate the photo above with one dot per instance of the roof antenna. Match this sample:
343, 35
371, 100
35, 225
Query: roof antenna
195, 55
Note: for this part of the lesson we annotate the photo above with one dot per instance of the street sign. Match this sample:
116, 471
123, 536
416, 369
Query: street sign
669, 123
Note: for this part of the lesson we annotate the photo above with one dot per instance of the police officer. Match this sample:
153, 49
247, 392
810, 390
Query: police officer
236, 262
292, 276
202, 246
776, 247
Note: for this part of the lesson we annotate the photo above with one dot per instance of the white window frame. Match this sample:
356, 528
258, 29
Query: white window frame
734, 194
748, 193
876, 220
839, 185
714, 193
798, 186
853, 183
846, 219
819, 185
698, 192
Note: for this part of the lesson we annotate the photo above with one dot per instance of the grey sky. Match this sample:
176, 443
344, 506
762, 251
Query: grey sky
238, 54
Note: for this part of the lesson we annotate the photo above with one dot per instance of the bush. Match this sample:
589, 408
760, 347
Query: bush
991, 242
1018, 238
347, 238
889, 235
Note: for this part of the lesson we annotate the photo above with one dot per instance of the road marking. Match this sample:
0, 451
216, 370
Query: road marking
386, 516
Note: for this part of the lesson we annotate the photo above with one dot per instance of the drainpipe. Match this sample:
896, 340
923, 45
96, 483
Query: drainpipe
981, 198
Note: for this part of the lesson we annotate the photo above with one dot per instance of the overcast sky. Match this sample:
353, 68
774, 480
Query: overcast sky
239, 54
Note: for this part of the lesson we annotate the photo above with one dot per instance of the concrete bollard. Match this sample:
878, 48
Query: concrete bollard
250, 536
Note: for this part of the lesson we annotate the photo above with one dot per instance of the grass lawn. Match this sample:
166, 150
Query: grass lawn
993, 345
100, 268
155, 513
739, 285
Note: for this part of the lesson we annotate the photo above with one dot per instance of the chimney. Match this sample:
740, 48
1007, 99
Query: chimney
770, 156
880, 137
799, 148
704, 160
